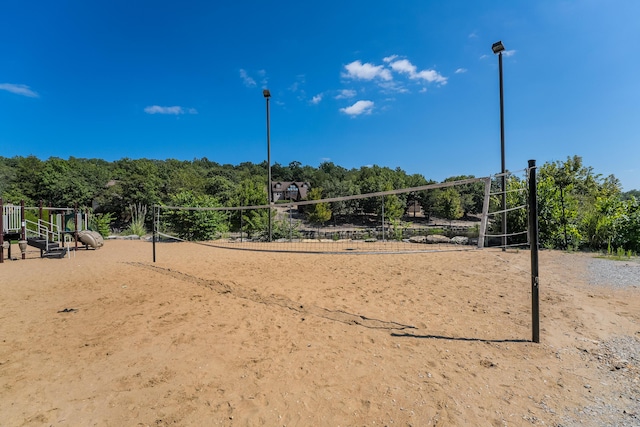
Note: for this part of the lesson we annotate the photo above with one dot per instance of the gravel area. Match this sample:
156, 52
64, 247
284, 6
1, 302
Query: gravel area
618, 358
613, 273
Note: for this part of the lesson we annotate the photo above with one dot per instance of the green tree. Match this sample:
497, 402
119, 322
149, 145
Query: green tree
448, 204
194, 224
255, 222
627, 225
318, 213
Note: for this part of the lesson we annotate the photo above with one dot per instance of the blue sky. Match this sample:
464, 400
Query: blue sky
410, 83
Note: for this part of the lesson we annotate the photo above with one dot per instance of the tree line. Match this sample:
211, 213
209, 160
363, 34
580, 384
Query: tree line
578, 207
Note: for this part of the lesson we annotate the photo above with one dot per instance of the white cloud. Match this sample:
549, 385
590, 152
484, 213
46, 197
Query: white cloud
461, 70
473, 35
389, 58
246, 79
366, 71
485, 56
346, 93
360, 107
176, 110
316, 99
18, 89
508, 53
403, 66
406, 67
393, 87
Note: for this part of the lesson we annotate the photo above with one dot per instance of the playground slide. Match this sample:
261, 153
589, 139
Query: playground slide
91, 238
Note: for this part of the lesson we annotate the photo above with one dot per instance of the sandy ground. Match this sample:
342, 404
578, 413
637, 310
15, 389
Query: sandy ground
208, 336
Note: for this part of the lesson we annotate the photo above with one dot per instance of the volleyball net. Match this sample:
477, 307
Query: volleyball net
456, 215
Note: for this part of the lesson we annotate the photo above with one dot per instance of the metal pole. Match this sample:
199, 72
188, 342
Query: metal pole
269, 196
1, 231
155, 230
383, 218
75, 225
23, 234
290, 220
503, 169
533, 240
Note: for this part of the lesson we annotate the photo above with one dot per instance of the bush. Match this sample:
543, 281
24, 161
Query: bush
195, 225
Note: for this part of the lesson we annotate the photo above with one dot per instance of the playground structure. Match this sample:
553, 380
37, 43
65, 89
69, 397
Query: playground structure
55, 231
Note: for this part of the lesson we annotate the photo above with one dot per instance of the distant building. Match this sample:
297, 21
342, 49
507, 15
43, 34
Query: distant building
287, 190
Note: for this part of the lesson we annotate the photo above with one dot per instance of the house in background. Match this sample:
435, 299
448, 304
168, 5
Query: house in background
289, 190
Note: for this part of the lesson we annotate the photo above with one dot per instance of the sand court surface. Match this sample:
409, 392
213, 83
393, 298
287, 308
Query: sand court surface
209, 336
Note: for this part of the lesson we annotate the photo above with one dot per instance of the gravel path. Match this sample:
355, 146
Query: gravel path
618, 358
613, 273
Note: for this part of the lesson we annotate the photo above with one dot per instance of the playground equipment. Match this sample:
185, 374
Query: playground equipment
53, 235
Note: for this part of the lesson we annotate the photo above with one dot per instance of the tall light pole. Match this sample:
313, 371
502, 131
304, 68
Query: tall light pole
267, 95
498, 48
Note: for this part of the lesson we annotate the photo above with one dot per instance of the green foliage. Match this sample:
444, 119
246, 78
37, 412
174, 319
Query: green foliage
448, 204
626, 225
285, 229
393, 207
517, 219
577, 207
194, 224
318, 213
138, 214
101, 223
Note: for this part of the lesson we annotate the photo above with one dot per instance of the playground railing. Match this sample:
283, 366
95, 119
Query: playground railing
48, 231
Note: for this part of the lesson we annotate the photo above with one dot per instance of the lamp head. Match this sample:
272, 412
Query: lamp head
266, 93
497, 47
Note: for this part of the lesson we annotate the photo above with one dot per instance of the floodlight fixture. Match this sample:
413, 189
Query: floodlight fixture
497, 47
266, 93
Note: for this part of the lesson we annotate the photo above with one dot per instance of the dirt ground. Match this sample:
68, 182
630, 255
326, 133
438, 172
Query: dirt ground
209, 336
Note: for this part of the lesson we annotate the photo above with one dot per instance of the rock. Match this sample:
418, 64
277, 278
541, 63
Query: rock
418, 239
620, 364
460, 240
437, 238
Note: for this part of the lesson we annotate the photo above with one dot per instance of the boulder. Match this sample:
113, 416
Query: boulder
460, 240
437, 238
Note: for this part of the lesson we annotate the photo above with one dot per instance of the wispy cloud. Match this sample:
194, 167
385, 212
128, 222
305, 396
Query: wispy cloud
346, 94
360, 107
406, 67
175, 110
18, 89
473, 35
461, 70
246, 79
508, 53
393, 87
359, 71
316, 99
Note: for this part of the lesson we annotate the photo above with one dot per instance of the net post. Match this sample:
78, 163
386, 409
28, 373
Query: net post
154, 234
485, 213
23, 228
383, 219
533, 239
1, 231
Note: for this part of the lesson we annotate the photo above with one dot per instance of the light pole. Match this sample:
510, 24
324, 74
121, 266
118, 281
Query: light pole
498, 47
267, 95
